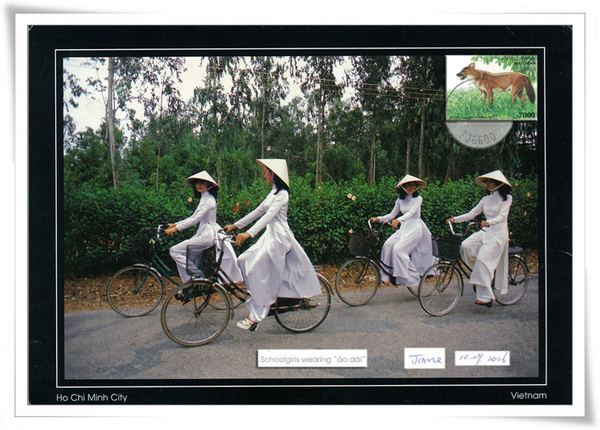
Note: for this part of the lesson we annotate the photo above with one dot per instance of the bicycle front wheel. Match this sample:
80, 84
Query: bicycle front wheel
440, 289
518, 280
305, 314
357, 281
134, 291
195, 321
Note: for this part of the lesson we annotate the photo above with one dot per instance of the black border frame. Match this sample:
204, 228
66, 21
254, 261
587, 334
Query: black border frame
45, 200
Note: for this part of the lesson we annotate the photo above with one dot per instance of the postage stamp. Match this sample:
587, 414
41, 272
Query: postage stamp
491, 87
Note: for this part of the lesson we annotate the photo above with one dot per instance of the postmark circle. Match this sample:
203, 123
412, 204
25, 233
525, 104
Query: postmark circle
479, 134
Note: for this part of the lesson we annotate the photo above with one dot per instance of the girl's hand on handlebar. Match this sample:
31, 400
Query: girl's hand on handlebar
229, 228
172, 229
485, 224
241, 238
450, 220
374, 219
395, 223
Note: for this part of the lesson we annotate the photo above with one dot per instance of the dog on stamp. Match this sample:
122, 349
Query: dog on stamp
488, 82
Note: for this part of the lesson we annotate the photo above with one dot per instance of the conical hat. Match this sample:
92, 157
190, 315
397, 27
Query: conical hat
203, 176
277, 166
408, 178
496, 175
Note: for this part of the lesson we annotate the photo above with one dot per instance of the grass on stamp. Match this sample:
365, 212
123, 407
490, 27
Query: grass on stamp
464, 105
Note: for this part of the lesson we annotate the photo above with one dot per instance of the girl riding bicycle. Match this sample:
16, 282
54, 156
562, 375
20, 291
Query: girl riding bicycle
276, 265
408, 251
205, 215
486, 251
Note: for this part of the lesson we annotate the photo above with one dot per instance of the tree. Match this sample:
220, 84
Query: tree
421, 92
212, 104
370, 76
319, 84
110, 119
526, 64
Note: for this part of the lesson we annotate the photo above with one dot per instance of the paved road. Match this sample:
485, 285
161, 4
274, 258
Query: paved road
103, 345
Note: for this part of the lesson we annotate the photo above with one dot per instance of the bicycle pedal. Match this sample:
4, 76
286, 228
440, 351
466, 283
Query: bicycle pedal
181, 298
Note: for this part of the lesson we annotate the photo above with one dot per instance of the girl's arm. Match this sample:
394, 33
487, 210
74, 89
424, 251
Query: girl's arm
248, 219
472, 214
392, 214
206, 205
504, 210
281, 199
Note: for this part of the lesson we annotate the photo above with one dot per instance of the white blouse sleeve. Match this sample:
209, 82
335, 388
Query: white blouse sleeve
414, 209
281, 199
392, 214
470, 215
204, 207
248, 219
502, 216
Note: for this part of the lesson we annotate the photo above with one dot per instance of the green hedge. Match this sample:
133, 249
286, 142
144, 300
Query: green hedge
101, 226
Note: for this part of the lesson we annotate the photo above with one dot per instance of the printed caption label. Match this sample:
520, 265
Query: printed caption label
482, 358
312, 358
424, 358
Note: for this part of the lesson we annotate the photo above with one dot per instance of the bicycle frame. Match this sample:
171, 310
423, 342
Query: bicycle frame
463, 267
161, 267
374, 257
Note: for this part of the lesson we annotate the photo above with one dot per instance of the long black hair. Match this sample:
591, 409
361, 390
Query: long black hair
279, 184
402, 193
504, 191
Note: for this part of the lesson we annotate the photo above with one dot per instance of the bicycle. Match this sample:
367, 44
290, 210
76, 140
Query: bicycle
442, 284
206, 307
137, 290
358, 279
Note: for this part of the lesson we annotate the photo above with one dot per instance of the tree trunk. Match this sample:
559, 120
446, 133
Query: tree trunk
110, 119
450, 164
408, 150
320, 131
422, 144
372, 160
262, 126
216, 128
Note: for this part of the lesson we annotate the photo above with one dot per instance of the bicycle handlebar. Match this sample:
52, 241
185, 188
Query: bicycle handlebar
162, 226
471, 224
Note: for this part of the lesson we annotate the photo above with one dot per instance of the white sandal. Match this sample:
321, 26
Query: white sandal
247, 324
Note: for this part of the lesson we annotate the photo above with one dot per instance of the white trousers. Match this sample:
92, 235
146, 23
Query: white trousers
395, 253
482, 252
178, 252
257, 312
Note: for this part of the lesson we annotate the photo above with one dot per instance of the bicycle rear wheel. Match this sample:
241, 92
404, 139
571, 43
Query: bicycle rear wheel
518, 280
302, 315
356, 281
134, 291
194, 322
440, 289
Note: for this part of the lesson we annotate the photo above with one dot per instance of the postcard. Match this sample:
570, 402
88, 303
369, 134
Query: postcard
335, 185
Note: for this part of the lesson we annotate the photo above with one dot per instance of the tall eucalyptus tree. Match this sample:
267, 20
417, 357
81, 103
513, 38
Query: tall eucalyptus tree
320, 86
370, 76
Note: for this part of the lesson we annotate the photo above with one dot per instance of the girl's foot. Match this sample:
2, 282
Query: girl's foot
180, 297
486, 304
247, 324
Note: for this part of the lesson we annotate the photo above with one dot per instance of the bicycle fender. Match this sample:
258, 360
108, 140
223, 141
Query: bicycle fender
150, 268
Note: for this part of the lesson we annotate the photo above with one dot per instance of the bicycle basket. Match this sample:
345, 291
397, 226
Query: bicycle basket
446, 247
360, 244
200, 261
